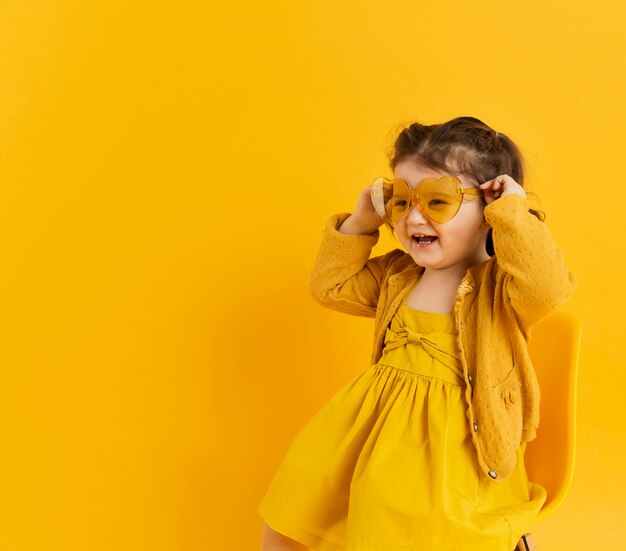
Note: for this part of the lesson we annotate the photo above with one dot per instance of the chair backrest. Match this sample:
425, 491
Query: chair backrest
554, 346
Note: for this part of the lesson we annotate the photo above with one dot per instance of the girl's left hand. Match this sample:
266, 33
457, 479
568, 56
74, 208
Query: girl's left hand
504, 185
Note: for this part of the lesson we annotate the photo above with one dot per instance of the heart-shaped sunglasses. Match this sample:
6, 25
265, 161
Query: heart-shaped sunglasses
438, 198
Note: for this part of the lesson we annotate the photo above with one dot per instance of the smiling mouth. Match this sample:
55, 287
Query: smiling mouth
425, 240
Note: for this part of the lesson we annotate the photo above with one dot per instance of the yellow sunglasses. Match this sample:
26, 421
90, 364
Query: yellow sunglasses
438, 198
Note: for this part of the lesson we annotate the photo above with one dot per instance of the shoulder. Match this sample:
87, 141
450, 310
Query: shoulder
400, 261
401, 268
486, 271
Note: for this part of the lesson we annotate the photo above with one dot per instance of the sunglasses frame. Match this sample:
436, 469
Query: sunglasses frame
415, 199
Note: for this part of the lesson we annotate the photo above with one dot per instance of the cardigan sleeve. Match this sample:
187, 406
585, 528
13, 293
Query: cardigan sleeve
343, 277
536, 280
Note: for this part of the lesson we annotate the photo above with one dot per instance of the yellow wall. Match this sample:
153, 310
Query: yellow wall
158, 346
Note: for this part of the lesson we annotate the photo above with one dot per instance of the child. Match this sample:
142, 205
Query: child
424, 450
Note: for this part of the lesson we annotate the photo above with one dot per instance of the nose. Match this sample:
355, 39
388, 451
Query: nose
415, 215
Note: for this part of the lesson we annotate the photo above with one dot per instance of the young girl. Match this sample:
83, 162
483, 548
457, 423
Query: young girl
424, 450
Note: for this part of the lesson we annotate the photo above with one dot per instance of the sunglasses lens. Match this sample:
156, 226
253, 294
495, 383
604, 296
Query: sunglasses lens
439, 198
399, 201
381, 193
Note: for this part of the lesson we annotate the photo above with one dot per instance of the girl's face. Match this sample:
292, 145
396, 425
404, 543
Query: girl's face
459, 243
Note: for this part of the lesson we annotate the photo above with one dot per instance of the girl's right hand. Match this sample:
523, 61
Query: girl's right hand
365, 219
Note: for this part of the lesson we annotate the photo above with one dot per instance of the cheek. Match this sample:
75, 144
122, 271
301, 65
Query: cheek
462, 229
471, 217
401, 228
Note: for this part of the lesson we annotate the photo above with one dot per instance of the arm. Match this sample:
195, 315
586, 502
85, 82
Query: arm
343, 277
537, 280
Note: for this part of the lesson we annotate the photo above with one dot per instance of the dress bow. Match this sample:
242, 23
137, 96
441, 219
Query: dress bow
434, 343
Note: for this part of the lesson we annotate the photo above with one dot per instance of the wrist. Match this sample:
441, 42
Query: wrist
353, 225
505, 200
521, 193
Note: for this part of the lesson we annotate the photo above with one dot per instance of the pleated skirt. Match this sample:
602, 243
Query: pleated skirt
388, 463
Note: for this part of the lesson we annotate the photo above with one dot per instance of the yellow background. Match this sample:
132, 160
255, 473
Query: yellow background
158, 345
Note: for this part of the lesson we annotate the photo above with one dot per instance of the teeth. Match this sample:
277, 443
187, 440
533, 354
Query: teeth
422, 238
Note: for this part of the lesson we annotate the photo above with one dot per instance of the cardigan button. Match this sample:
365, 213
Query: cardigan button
492, 474
469, 376
475, 427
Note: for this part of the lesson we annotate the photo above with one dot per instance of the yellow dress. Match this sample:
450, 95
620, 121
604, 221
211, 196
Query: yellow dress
388, 464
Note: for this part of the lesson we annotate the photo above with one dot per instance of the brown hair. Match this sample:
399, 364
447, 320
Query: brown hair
462, 146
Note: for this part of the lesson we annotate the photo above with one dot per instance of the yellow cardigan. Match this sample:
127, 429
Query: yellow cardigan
496, 305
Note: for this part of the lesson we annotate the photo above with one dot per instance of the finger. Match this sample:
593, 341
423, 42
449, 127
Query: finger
503, 179
491, 190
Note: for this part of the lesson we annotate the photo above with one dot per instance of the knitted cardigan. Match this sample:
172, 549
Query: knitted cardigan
495, 307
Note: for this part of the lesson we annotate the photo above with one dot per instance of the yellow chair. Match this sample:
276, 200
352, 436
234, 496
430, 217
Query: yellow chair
554, 347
